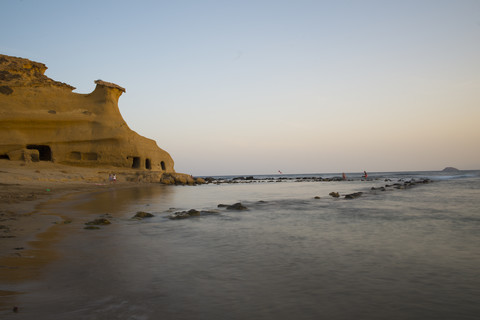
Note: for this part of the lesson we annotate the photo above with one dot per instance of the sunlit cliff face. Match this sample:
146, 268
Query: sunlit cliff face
43, 115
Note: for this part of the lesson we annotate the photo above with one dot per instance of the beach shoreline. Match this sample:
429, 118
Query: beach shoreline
141, 268
29, 232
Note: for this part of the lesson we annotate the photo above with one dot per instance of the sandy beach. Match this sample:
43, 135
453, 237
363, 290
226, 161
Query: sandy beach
27, 232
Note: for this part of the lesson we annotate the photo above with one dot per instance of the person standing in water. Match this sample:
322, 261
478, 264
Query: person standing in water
344, 176
365, 175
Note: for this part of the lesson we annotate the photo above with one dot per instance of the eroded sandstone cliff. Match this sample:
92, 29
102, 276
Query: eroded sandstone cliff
43, 120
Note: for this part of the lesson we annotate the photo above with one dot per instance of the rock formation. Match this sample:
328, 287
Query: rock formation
43, 120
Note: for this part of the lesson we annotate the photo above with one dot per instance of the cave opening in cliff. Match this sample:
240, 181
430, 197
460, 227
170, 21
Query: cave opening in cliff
163, 165
90, 156
148, 164
136, 163
75, 155
45, 153
4, 156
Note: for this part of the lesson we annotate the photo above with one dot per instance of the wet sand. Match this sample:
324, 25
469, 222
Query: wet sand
28, 231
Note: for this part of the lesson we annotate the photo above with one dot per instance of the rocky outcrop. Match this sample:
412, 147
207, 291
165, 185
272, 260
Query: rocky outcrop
43, 120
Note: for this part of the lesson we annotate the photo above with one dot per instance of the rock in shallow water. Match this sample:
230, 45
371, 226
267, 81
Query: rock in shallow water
184, 214
91, 228
98, 222
237, 206
353, 195
190, 213
143, 214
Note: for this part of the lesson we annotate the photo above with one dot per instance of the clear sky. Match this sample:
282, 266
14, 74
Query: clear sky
252, 87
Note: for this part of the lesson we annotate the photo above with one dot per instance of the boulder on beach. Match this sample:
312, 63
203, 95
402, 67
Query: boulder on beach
177, 179
199, 180
167, 179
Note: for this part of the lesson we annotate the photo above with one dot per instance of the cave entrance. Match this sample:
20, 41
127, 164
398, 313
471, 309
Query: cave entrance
136, 163
4, 156
163, 165
148, 164
45, 153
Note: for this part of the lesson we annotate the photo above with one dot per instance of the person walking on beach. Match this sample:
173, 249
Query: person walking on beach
114, 177
365, 175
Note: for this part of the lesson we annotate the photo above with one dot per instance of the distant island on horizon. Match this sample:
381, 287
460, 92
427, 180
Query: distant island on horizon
450, 169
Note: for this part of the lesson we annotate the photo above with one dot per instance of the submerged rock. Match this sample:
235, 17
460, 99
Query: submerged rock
184, 214
143, 214
353, 195
190, 213
91, 228
334, 194
98, 222
237, 206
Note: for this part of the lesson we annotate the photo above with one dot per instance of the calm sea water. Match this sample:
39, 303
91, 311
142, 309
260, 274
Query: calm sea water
396, 254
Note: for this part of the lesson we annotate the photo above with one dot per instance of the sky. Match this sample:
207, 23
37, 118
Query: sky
253, 87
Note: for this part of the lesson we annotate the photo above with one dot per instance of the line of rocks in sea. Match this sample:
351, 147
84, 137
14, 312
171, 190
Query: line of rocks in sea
252, 179
104, 220
179, 215
196, 213
401, 184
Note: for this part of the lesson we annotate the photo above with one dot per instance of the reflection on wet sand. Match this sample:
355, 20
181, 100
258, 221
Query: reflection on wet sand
116, 201
27, 264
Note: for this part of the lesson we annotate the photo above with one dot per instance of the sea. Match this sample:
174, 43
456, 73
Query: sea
407, 246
